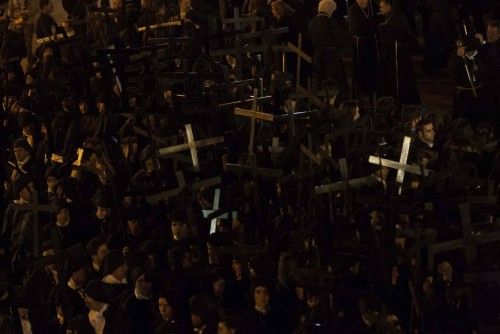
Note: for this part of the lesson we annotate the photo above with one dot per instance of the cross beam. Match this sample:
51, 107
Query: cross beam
215, 208
35, 208
191, 145
253, 114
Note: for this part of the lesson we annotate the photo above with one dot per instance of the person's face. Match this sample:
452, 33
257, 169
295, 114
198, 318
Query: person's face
25, 194
63, 215
492, 33
83, 107
47, 54
133, 227
51, 183
223, 329
218, 287
80, 276
236, 266
427, 133
362, 3
177, 230
102, 251
165, 309
20, 153
312, 301
101, 107
49, 252
143, 286
102, 213
261, 297
385, 8
120, 273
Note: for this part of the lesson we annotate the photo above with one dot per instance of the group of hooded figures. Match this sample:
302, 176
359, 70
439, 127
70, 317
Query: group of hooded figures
88, 245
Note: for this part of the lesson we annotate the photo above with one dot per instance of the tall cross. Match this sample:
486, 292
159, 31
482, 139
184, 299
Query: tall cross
300, 55
35, 208
253, 114
191, 145
215, 209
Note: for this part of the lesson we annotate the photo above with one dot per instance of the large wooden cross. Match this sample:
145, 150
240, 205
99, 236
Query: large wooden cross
215, 210
253, 114
401, 166
35, 208
191, 145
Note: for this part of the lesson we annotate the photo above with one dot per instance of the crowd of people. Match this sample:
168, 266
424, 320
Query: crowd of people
88, 246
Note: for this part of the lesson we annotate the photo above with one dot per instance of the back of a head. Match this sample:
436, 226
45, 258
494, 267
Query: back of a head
327, 7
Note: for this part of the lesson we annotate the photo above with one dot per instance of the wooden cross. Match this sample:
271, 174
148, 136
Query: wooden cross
254, 170
233, 104
403, 158
154, 198
238, 21
191, 145
164, 195
160, 26
346, 182
253, 114
275, 149
300, 55
215, 208
401, 166
35, 208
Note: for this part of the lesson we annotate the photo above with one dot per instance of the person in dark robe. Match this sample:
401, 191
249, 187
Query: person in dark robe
61, 122
40, 284
97, 249
328, 39
439, 34
45, 25
261, 318
396, 40
24, 164
365, 52
102, 316
63, 225
168, 319
138, 305
114, 276
71, 291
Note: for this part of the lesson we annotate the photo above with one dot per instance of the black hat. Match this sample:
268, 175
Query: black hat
74, 265
102, 200
138, 272
61, 203
133, 213
113, 260
94, 244
21, 142
21, 182
96, 290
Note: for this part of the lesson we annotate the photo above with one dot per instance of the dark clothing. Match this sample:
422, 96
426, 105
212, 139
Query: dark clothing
365, 52
327, 39
140, 314
397, 78
46, 26
259, 323
116, 322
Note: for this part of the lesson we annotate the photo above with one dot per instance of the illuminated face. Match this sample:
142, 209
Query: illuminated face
102, 213
102, 251
166, 310
362, 3
427, 134
385, 8
492, 33
261, 297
